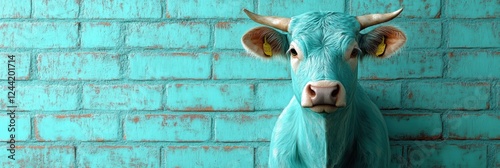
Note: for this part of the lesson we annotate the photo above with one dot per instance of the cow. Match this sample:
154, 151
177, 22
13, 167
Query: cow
330, 121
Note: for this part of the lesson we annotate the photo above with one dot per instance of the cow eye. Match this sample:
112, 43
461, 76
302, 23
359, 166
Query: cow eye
293, 52
354, 53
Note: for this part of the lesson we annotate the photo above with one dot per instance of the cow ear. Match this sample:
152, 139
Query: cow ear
382, 42
265, 42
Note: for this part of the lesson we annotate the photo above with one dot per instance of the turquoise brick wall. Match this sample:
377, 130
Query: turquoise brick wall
166, 83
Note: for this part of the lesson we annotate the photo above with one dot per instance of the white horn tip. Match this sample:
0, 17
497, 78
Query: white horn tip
397, 12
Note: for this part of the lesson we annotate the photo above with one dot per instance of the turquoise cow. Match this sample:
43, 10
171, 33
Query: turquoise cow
330, 121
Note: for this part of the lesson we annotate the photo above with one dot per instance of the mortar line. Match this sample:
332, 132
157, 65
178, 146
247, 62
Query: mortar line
405, 156
255, 157
31, 9
161, 156
79, 35
212, 127
163, 5
256, 5
78, 14
75, 163
347, 6
444, 126
489, 156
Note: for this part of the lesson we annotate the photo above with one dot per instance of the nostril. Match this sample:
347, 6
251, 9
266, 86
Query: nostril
335, 91
310, 91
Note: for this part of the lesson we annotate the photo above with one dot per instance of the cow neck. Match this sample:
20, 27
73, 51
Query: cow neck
331, 132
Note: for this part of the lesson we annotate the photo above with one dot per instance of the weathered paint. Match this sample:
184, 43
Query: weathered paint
100, 34
118, 156
246, 127
86, 127
447, 155
84, 66
181, 128
401, 126
160, 66
20, 9
55, 9
44, 97
36, 155
225, 97
22, 65
472, 126
208, 156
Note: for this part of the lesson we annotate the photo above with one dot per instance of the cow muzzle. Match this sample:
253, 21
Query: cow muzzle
323, 96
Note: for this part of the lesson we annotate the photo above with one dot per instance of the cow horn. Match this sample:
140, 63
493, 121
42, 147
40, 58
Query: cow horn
373, 19
273, 21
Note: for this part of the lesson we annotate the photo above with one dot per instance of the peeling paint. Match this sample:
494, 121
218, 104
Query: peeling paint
223, 25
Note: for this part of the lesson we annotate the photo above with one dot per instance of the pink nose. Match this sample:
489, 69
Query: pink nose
323, 95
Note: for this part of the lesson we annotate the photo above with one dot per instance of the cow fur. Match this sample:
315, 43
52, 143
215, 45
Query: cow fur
353, 136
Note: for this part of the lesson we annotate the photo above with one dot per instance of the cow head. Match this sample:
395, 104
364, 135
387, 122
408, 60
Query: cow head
323, 49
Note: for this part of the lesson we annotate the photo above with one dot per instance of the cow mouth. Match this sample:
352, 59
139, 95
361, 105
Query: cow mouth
324, 108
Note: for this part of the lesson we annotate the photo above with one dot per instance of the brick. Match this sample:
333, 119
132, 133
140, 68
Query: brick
152, 66
76, 127
244, 66
447, 155
38, 35
210, 97
473, 126
419, 34
36, 156
78, 66
228, 34
122, 97
472, 9
21, 128
243, 127
261, 157
118, 156
43, 97
188, 127
208, 156
55, 9
447, 95
474, 65
121, 9
412, 9
273, 96
22, 65
422, 34
386, 95
20, 9
413, 126
397, 158
473, 34
207, 9
288, 9
405, 65
189, 35
100, 34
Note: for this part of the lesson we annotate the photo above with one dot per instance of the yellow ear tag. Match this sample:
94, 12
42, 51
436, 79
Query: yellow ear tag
381, 47
267, 48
